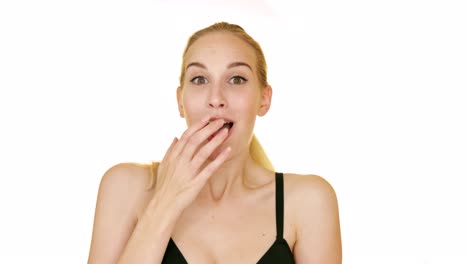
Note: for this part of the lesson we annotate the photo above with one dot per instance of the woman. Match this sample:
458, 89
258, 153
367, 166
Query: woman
215, 197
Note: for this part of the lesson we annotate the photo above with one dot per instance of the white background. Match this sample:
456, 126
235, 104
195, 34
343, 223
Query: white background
371, 95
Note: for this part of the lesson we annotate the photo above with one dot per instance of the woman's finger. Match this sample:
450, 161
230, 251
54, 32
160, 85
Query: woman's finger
168, 152
194, 143
186, 135
206, 172
205, 151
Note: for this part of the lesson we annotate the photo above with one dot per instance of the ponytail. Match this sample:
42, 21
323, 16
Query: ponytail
259, 155
153, 174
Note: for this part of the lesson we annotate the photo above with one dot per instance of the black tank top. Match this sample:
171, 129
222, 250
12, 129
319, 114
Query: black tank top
279, 252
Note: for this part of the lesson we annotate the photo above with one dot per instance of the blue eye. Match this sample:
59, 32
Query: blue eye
237, 80
198, 80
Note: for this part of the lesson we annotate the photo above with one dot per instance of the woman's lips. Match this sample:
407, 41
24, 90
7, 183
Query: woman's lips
228, 125
220, 117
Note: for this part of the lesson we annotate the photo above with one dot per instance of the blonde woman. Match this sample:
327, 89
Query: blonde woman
215, 197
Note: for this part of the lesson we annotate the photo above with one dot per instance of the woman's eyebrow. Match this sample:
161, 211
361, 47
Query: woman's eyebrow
231, 65
198, 64
239, 63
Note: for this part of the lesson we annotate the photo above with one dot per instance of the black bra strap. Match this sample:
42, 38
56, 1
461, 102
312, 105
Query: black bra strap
279, 205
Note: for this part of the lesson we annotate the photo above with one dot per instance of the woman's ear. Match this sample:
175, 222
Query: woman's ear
265, 100
179, 102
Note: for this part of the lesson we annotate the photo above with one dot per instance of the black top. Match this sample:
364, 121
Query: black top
279, 252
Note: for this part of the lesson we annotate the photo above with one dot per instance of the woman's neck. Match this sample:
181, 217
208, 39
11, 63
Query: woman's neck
234, 176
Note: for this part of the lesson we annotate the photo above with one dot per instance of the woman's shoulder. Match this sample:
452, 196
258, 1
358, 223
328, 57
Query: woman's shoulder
130, 174
313, 212
307, 181
308, 190
127, 184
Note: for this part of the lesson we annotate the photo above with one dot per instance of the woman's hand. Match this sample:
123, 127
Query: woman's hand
180, 174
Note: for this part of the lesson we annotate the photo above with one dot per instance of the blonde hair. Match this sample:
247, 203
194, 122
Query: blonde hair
256, 150
237, 31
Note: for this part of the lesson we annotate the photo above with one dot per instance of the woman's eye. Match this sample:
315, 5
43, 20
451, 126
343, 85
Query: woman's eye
237, 80
199, 80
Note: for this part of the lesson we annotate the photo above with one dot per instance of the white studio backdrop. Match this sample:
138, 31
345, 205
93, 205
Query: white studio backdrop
371, 95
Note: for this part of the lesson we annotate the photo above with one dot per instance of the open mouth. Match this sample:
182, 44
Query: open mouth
227, 125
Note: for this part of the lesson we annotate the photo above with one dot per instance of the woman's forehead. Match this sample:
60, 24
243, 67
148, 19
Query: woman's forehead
220, 47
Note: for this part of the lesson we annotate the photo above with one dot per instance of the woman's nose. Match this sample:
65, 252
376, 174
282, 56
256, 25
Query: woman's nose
216, 98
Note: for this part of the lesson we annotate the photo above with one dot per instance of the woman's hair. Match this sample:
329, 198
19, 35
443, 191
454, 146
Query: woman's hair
256, 150
237, 31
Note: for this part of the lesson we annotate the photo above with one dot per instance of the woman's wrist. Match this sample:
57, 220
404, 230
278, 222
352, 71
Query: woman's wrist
163, 210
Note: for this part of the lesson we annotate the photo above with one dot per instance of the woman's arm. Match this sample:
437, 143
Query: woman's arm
149, 240
318, 225
118, 237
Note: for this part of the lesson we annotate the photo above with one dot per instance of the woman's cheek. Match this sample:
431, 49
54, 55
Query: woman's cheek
247, 103
192, 109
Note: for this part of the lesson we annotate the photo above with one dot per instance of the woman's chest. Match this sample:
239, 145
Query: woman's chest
239, 235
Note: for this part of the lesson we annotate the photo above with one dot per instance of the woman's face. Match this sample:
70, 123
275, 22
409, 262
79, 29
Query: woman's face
221, 82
